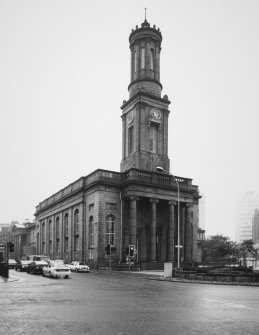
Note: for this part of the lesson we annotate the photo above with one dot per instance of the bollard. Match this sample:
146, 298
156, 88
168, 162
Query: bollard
168, 270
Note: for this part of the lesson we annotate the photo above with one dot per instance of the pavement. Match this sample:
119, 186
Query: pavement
9, 279
159, 275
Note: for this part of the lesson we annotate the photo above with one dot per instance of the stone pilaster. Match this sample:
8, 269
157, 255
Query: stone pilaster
182, 234
47, 234
188, 234
195, 232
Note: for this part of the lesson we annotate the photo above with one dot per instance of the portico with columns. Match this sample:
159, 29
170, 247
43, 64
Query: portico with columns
150, 220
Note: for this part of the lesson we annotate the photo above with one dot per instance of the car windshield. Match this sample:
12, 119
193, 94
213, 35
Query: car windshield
81, 263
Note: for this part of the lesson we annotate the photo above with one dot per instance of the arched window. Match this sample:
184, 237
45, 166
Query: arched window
76, 221
130, 140
43, 231
57, 227
66, 224
153, 142
50, 230
91, 231
152, 56
57, 234
66, 232
43, 237
142, 58
110, 229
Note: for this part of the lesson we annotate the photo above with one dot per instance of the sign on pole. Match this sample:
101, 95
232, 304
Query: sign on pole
2, 246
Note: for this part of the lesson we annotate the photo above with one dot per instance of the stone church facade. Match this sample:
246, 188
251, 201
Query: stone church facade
138, 205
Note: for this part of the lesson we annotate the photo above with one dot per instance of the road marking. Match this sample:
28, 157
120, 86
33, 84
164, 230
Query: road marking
227, 303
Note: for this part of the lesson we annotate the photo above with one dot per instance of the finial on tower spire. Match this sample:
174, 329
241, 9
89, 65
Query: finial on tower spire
145, 23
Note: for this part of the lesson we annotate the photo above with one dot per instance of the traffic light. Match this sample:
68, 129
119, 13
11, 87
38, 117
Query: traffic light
108, 249
131, 250
11, 247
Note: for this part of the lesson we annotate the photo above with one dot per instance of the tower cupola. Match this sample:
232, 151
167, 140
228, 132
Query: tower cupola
145, 47
145, 114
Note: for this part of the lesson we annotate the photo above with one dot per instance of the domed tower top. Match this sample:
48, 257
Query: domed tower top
145, 46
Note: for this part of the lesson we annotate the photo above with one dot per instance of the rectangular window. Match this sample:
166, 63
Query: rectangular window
151, 144
130, 138
142, 58
110, 230
152, 54
91, 254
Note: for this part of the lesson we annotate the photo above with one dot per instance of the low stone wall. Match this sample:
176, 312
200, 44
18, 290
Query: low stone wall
120, 267
220, 277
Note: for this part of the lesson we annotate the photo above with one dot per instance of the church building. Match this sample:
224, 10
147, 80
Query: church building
97, 217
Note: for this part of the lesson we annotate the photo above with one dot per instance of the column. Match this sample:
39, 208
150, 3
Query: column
194, 232
20, 245
188, 234
54, 236
47, 251
170, 232
133, 220
152, 231
40, 239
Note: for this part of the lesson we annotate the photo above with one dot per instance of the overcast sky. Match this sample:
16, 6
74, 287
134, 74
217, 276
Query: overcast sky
64, 72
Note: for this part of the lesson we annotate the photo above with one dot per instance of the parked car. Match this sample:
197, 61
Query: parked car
79, 267
11, 263
56, 269
39, 258
36, 267
22, 265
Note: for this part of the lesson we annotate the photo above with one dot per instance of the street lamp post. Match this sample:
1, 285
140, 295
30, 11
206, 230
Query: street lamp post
178, 246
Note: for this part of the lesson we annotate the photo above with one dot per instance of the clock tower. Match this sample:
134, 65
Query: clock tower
145, 114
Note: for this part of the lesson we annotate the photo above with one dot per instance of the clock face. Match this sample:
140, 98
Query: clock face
156, 114
130, 117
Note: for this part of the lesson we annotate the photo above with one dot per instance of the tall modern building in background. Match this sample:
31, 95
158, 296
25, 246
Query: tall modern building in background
245, 211
255, 227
